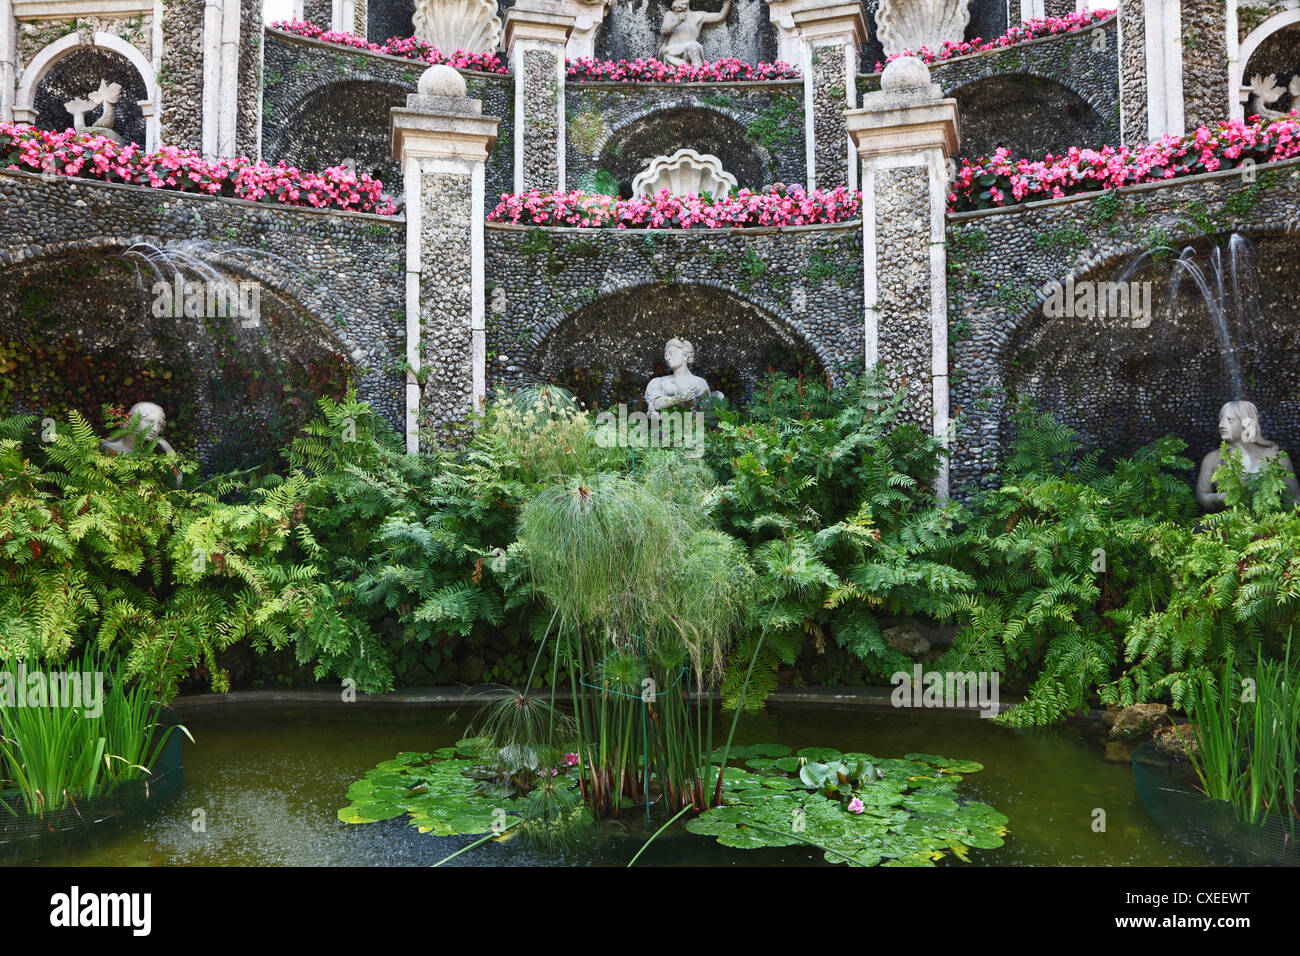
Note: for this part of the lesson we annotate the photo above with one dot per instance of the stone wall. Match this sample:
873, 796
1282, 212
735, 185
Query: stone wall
80, 73
592, 309
181, 77
1120, 381
389, 18
988, 19
1036, 97
319, 12
331, 283
1133, 71
1205, 58
323, 104
756, 129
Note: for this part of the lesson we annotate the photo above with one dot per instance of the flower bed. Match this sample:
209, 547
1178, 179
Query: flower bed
70, 153
1029, 30
1002, 181
408, 47
776, 207
728, 70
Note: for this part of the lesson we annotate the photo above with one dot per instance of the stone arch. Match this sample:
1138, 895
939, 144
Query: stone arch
151, 106
82, 323
618, 338
668, 127
344, 119
1122, 386
1240, 70
1030, 113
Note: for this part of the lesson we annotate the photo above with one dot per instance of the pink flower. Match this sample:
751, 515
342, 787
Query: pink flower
570, 760
856, 805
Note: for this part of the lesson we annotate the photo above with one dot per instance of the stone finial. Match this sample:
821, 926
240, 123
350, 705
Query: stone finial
905, 73
442, 80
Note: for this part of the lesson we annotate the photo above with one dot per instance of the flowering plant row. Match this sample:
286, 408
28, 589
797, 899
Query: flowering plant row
999, 181
776, 206
652, 71
408, 47
1029, 30
70, 153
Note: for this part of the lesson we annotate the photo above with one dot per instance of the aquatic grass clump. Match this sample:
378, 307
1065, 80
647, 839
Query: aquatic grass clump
1247, 749
647, 600
57, 753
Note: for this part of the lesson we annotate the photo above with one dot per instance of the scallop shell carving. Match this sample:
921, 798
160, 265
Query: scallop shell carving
685, 172
470, 25
911, 24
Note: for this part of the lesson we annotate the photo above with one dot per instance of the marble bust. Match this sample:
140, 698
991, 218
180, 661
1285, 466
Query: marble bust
681, 31
1239, 427
682, 387
147, 421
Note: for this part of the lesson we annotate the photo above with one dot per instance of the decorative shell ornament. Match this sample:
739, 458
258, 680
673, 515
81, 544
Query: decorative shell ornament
912, 24
685, 172
450, 25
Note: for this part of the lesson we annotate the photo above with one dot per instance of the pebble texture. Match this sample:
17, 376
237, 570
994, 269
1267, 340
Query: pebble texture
341, 272
80, 73
829, 103
903, 277
322, 105
541, 119
181, 77
606, 301
1205, 53
756, 129
445, 301
1119, 385
1254, 13
1133, 71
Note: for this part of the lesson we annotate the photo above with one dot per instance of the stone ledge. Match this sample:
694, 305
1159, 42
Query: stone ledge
420, 65
845, 226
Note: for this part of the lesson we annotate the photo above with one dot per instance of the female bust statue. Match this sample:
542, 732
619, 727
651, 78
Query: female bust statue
146, 421
682, 387
1239, 427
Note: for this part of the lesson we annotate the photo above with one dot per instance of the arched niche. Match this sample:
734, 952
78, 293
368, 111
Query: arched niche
608, 350
1260, 48
663, 132
79, 329
1030, 115
34, 98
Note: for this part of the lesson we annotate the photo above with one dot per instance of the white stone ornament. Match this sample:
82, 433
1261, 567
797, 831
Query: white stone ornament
685, 172
912, 24
106, 97
450, 25
442, 80
905, 73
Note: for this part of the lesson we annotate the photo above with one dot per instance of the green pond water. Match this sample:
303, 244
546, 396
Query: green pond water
270, 779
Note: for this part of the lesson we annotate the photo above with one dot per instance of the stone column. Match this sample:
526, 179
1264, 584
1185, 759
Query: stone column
319, 12
8, 60
904, 135
442, 140
535, 35
1206, 94
587, 15
789, 45
832, 36
1040, 9
348, 16
232, 78
1151, 70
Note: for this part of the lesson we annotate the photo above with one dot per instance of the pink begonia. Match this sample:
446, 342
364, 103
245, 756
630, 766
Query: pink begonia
65, 154
408, 47
791, 207
1029, 30
1230, 144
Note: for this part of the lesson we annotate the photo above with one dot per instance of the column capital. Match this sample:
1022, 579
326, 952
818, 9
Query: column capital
907, 114
442, 127
544, 20
830, 20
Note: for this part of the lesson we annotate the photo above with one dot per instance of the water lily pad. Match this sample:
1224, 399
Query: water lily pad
820, 754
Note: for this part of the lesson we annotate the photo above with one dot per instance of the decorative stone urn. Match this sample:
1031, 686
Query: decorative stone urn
471, 25
911, 24
685, 172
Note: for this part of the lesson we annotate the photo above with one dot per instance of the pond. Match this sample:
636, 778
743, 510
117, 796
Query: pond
269, 779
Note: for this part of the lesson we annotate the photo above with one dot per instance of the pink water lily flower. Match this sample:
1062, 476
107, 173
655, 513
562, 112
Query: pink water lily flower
570, 760
856, 805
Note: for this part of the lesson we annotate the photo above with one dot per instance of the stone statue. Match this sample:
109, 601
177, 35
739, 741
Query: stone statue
106, 96
1264, 92
147, 421
1239, 427
681, 32
682, 387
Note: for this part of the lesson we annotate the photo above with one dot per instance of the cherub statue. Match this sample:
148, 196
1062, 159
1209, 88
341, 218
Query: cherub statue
1239, 427
681, 31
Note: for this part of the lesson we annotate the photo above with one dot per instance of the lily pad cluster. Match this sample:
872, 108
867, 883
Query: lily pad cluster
858, 809
440, 791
